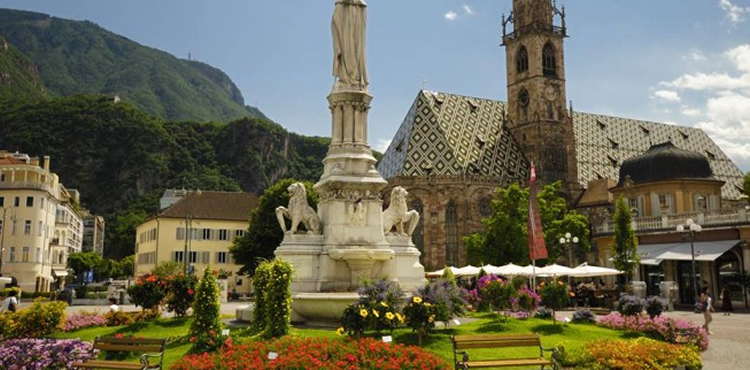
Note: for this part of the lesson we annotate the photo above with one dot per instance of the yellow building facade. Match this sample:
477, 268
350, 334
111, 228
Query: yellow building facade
196, 232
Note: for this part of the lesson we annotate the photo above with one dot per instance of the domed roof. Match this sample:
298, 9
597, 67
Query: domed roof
665, 162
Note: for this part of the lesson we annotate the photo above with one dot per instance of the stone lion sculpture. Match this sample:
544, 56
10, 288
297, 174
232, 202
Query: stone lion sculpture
298, 211
397, 214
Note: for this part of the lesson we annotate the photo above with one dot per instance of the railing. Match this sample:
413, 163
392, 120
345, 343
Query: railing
670, 222
533, 28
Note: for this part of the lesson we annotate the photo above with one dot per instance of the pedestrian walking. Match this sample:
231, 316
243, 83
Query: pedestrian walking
726, 300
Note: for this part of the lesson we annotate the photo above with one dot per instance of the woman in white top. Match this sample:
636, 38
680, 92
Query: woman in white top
707, 307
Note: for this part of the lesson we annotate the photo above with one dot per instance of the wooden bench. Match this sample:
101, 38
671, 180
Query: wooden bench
148, 348
461, 343
600, 310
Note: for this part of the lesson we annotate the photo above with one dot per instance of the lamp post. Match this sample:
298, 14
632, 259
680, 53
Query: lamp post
691, 232
188, 225
568, 240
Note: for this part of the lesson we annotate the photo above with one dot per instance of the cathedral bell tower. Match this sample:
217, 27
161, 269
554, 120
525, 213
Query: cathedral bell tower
537, 114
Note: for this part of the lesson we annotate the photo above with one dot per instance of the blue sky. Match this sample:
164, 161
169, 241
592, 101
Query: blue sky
685, 62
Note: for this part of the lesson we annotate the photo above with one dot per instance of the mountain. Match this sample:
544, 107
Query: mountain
79, 57
19, 77
122, 159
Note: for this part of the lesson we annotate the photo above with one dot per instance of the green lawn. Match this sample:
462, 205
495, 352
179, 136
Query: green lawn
572, 336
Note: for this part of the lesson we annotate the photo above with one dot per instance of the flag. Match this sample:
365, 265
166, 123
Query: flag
537, 248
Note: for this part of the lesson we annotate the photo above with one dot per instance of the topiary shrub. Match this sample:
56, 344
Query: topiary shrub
583, 316
260, 280
630, 305
420, 316
147, 291
205, 331
654, 306
278, 302
180, 293
554, 296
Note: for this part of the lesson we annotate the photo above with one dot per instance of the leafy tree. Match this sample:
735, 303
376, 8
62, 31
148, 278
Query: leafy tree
506, 239
264, 234
625, 253
167, 269
81, 262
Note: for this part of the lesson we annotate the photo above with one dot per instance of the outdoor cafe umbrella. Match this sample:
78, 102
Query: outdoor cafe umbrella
466, 271
554, 270
584, 270
511, 270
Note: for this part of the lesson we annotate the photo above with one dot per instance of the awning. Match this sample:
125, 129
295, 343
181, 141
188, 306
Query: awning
59, 273
653, 254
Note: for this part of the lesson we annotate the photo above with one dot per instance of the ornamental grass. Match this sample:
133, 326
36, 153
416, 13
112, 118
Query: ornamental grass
313, 353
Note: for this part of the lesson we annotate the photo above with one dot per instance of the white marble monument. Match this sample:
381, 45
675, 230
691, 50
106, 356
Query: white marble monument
355, 243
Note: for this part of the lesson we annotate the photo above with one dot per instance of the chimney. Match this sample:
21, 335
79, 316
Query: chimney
46, 163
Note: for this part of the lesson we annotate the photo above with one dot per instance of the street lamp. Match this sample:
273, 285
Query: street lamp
568, 240
188, 224
691, 232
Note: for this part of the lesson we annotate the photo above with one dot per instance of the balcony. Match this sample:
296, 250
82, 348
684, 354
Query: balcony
33, 185
715, 218
533, 28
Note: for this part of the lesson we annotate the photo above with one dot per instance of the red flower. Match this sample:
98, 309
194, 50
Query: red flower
119, 335
191, 291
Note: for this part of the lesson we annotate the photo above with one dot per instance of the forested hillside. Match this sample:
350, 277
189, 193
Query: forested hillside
79, 57
122, 159
19, 77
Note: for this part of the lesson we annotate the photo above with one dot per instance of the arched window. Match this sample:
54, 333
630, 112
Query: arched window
418, 236
522, 60
451, 234
549, 64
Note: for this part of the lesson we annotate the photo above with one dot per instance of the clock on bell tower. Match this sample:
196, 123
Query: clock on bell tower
537, 114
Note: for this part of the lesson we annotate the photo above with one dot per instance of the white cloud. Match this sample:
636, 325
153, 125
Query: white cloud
690, 112
468, 10
451, 16
667, 96
735, 14
695, 55
740, 56
382, 145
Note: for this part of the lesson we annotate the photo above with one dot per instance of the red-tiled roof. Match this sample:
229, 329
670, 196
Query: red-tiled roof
213, 205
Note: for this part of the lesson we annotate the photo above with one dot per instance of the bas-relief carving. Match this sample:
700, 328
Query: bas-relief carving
349, 195
398, 214
299, 211
348, 28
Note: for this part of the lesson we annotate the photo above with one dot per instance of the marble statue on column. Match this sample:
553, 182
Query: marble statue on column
348, 26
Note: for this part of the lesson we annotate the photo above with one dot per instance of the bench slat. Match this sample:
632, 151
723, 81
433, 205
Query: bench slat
459, 338
128, 347
132, 340
498, 343
509, 362
101, 364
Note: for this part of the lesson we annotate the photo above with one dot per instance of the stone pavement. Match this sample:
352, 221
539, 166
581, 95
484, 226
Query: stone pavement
729, 345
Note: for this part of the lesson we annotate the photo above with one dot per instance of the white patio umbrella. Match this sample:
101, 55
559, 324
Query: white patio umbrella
490, 269
466, 271
554, 270
512, 270
584, 270
439, 273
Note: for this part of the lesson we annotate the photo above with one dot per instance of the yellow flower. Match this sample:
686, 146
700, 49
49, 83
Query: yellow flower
382, 303
417, 300
340, 331
375, 313
428, 304
431, 319
400, 317
363, 312
389, 315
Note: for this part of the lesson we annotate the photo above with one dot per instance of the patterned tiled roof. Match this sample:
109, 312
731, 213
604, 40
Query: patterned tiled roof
450, 134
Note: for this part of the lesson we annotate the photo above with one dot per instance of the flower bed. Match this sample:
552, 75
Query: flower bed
663, 328
637, 354
83, 320
43, 353
313, 353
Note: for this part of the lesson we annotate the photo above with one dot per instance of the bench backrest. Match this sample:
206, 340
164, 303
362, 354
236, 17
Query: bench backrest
461, 342
130, 344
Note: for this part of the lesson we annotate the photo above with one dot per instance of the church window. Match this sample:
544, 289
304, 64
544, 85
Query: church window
418, 235
549, 64
524, 98
484, 207
522, 60
451, 234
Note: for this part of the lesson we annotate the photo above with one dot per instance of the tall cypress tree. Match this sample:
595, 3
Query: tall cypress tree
625, 249
205, 331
